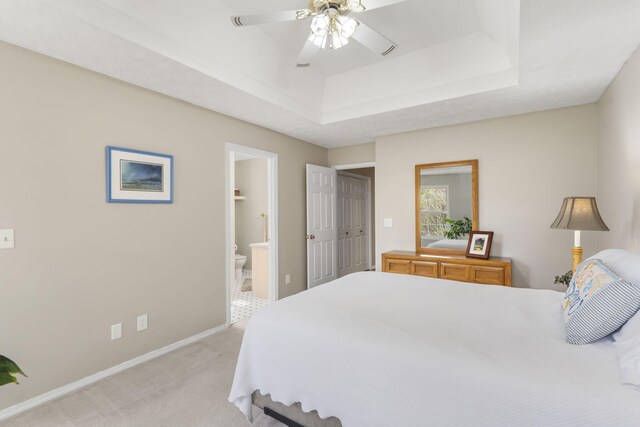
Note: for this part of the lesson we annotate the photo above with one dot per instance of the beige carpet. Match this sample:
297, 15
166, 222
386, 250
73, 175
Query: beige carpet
188, 387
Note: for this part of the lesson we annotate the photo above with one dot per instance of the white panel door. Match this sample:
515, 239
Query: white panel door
321, 225
353, 226
361, 226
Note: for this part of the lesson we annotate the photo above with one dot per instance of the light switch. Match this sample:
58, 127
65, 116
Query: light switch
287, 279
388, 222
7, 239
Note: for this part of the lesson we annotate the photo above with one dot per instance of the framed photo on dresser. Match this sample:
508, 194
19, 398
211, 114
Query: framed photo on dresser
479, 245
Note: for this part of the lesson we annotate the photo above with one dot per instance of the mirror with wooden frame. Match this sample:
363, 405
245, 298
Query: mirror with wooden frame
446, 206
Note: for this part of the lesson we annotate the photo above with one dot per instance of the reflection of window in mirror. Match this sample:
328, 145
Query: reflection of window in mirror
434, 209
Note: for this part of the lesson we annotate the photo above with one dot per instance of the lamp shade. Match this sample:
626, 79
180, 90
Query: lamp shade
579, 213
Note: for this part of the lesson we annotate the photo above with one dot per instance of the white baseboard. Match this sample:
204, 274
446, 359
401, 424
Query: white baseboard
61, 391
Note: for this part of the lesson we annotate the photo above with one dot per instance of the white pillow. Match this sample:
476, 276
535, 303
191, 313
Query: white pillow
627, 342
627, 339
630, 330
625, 263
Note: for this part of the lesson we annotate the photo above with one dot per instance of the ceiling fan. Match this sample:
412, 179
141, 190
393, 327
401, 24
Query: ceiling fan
331, 26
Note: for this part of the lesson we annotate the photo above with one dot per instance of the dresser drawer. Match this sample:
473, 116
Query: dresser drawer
401, 266
424, 268
488, 275
460, 272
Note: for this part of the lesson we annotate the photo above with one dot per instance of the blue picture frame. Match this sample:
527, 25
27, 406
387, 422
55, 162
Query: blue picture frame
136, 176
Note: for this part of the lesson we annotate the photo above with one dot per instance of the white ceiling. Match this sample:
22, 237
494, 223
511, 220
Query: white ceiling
458, 60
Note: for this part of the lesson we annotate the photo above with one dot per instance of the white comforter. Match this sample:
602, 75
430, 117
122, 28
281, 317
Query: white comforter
379, 349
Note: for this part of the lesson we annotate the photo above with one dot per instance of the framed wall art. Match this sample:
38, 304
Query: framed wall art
135, 176
479, 245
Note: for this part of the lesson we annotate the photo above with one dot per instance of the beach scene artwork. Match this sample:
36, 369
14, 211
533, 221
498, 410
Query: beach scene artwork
140, 176
478, 244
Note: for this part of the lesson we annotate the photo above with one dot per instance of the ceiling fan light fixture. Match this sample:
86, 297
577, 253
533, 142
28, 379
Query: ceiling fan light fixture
332, 31
336, 41
319, 3
332, 26
318, 40
355, 5
320, 25
303, 14
347, 26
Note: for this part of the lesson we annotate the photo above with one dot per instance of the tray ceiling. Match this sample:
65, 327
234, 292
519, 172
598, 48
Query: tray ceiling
457, 61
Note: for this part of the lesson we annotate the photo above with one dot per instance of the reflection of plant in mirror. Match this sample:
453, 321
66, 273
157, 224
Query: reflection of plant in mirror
457, 227
7, 368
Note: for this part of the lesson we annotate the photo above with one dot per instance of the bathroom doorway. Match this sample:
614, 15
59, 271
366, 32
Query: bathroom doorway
252, 238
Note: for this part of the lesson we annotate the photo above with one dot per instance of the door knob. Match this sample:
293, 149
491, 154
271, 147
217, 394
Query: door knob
310, 237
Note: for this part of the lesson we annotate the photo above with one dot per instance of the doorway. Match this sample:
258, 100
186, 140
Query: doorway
252, 230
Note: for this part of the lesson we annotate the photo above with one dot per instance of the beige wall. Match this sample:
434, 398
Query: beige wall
81, 264
251, 180
361, 153
619, 159
527, 164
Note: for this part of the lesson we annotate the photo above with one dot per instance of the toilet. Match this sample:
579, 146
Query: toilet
239, 261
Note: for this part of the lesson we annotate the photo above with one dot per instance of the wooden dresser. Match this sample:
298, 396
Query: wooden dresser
492, 271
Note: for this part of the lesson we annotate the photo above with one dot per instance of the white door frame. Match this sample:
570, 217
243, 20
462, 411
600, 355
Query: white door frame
367, 207
355, 166
272, 208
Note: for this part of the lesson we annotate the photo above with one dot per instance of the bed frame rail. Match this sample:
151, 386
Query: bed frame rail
293, 415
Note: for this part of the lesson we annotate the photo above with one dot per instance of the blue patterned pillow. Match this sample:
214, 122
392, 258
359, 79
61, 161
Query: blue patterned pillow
597, 303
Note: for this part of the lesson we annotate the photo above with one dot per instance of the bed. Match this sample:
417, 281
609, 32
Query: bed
381, 349
455, 244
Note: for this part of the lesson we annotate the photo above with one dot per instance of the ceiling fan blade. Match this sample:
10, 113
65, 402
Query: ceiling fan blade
309, 50
375, 4
266, 18
373, 40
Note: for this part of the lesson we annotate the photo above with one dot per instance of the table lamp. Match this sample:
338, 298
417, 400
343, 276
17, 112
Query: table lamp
579, 213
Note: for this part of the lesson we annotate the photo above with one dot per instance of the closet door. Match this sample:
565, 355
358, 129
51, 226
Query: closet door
353, 227
360, 226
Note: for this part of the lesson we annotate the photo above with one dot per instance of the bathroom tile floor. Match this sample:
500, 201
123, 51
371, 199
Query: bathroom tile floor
244, 304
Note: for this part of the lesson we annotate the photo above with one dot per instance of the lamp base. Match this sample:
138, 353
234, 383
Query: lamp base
577, 256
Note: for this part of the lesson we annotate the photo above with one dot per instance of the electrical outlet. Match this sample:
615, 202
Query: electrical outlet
388, 222
142, 322
287, 279
116, 331
7, 239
